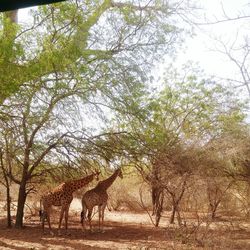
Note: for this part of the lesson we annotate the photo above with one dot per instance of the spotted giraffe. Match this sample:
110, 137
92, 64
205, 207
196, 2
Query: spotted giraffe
97, 197
62, 195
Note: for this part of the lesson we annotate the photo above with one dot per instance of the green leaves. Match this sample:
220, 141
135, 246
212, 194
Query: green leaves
86, 34
188, 111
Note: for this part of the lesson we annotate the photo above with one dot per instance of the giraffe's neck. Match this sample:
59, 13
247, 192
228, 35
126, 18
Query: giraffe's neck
105, 184
77, 184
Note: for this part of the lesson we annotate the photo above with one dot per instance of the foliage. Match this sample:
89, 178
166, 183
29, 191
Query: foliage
175, 138
97, 38
76, 60
75, 95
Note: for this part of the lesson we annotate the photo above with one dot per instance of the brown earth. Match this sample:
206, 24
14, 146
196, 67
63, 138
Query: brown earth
125, 230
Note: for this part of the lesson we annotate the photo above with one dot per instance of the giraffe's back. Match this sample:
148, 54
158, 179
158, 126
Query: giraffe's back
93, 198
57, 197
51, 199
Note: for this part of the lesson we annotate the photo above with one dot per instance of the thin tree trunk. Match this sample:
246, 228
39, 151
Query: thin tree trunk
159, 209
8, 199
174, 208
214, 209
176, 202
178, 216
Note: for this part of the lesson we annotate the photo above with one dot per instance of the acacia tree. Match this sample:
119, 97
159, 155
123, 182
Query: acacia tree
29, 117
217, 188
43, 124
81, 34
185, 115
170, 174
97, 51
235, 145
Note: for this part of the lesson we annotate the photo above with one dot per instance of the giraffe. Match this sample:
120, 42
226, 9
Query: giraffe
97, 197
62, 195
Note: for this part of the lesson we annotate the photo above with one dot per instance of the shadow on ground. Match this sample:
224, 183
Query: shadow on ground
115, 236
121, 235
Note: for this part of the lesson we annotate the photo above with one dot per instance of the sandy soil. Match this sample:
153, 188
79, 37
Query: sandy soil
123, 230
120, 233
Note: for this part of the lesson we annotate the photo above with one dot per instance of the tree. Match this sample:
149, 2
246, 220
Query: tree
170, 175
217, 167
216, 191
83, 35
185, 115
45, 120
91, 55
28, 122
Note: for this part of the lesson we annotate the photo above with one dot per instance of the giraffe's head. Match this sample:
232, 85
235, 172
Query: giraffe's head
96, 174
119, 172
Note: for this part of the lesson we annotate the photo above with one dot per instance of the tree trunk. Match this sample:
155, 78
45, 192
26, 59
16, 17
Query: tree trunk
214, 209
159, 209
21, 204
171, 221
8, 198
213, 214
178, 216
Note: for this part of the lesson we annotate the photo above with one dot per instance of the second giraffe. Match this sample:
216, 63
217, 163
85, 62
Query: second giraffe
97, 197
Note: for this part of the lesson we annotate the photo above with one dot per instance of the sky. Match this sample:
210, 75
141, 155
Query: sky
200, 48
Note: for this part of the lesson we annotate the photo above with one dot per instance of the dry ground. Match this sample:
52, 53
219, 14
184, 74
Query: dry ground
120, 233
125, 230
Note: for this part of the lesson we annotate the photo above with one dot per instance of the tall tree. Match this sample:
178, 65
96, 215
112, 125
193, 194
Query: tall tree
82, 34
187, 112
74, 54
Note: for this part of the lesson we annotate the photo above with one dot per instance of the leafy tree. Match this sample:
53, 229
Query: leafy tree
187, 113
81, 35
86, 55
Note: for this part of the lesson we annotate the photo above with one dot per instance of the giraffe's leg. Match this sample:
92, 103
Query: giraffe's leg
83, 217
99, 216
89, 218
60, 220
47, 215
102, 215
66, 219
42, 214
